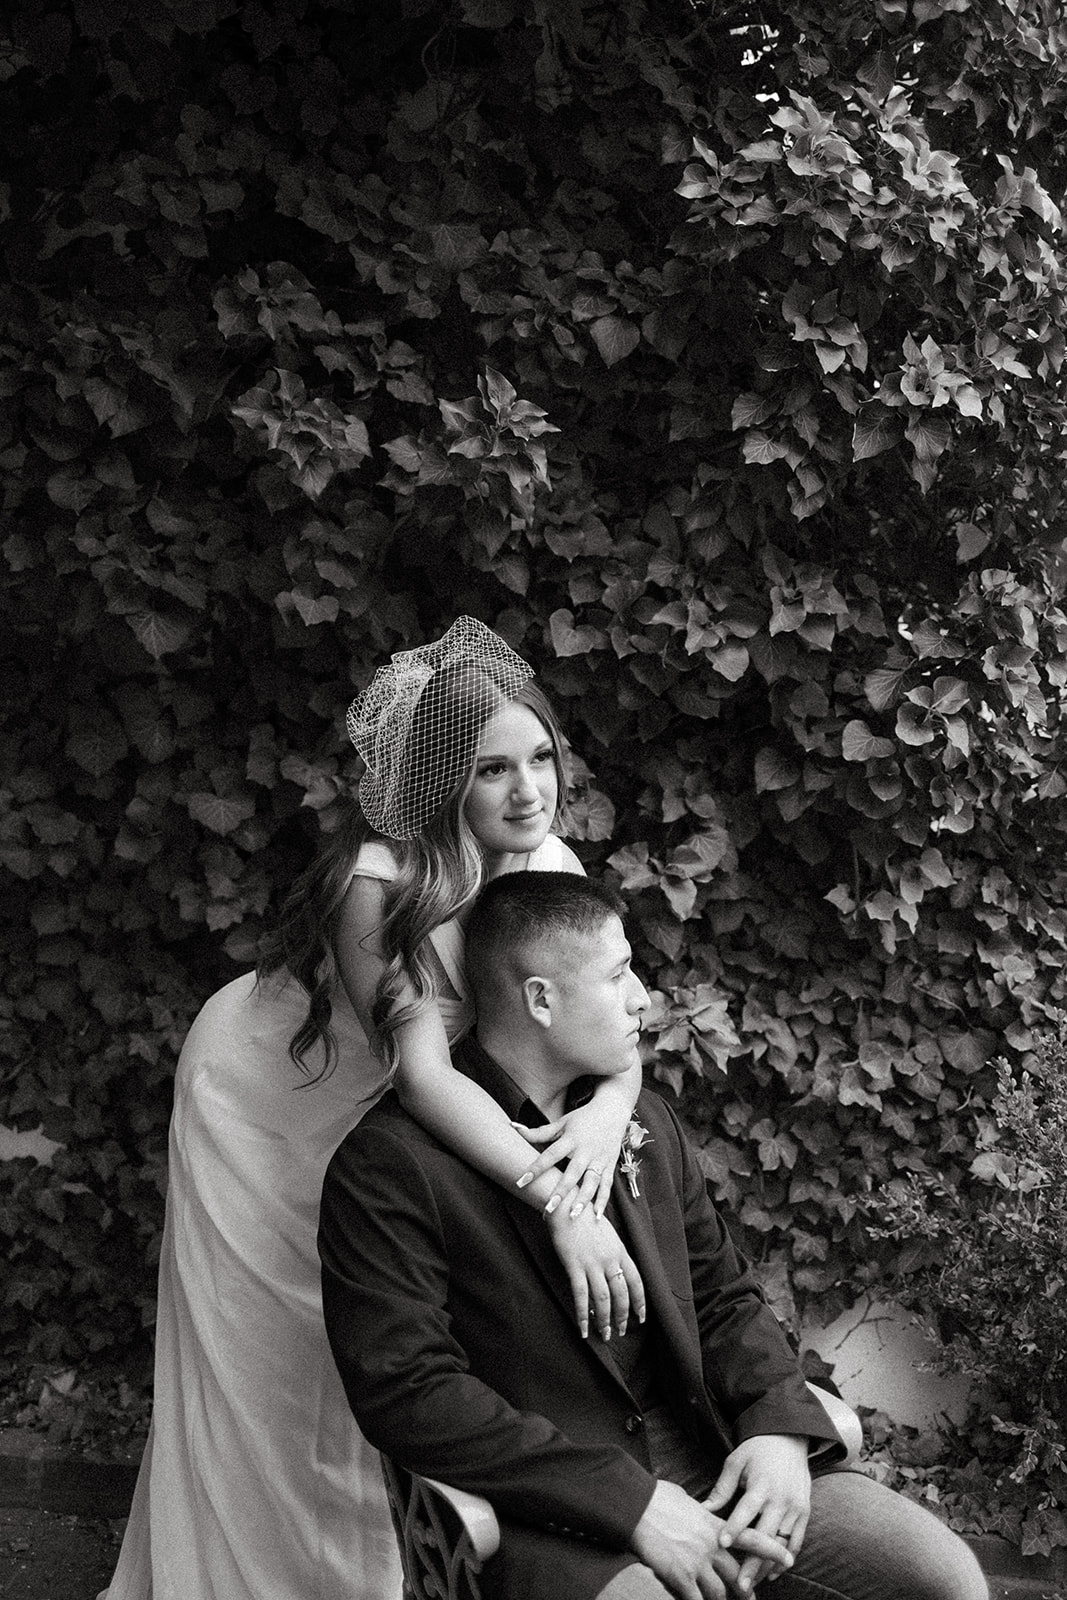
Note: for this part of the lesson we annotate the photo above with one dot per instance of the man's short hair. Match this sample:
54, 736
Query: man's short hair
520, 910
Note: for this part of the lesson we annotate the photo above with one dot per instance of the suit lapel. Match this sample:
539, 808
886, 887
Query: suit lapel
661, 1263
639, 1235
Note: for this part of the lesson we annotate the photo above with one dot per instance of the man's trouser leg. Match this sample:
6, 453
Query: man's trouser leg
864, 1542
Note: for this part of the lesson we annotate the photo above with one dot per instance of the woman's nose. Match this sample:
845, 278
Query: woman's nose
524, 784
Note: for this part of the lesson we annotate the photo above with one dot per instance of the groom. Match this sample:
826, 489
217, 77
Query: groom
673, 1460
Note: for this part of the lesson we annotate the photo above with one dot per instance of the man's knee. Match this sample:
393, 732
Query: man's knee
868, 1542
635, 1582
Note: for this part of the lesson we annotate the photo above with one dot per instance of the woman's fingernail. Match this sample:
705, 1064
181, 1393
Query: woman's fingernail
527, 1177
552, 1204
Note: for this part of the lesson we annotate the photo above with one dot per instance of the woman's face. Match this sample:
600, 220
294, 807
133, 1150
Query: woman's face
515, 789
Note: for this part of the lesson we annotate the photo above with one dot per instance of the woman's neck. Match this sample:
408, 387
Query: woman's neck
497, 865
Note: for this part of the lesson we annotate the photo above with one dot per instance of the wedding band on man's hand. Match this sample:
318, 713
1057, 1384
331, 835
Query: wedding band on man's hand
598, 1170
619, 1274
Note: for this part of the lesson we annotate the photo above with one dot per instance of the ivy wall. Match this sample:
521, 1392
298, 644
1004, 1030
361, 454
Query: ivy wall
713, 354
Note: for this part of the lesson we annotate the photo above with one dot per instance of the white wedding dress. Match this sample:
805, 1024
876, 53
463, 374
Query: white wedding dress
256, 1483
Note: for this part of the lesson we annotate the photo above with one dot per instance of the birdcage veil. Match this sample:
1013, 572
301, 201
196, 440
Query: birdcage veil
418, 723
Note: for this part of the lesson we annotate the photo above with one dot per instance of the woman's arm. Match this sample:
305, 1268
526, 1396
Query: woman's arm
589, 1138
467, 1119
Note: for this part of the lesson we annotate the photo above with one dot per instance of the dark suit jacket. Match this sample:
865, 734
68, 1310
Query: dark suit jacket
452, 1325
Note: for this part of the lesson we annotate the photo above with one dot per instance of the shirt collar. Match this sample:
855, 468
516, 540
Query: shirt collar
476, 1063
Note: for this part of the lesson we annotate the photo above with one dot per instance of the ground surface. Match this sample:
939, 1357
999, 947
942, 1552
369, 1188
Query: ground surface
45, 1555
51, 1555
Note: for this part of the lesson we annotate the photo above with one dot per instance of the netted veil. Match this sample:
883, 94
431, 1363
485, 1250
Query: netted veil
418, 723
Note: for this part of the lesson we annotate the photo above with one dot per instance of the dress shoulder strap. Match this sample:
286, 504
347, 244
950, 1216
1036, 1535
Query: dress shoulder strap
375, 860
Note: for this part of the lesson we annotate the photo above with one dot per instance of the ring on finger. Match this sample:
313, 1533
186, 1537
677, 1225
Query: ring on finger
619, 1274
598, 1170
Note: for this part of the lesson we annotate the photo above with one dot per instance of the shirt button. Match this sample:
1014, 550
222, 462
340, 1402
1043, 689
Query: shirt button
634, 1422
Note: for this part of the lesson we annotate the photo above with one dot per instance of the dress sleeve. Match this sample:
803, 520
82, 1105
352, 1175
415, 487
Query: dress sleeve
554, 856
375, 860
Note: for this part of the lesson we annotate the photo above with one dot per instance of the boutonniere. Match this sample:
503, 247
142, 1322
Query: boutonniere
634, 1138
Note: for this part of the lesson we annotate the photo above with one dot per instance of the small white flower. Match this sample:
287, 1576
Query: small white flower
636, 1135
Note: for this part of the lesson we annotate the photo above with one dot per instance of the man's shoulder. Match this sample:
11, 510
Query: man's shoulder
653, 1107
388, 1117
389, 1139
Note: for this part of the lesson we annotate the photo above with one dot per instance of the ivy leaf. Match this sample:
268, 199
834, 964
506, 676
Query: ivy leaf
97, 748
592, 816
569, 640
313, 609
884, 686
774, 771
158, 634
633, 867
72, 489
749, 410
760, 450
681, 895
970, 540
146, 723
615, 337
456, 245
873, 433
930, 435
220, 813
113, 408
858, 743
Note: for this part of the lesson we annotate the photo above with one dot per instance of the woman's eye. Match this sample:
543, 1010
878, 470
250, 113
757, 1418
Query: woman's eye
543, 755
493, 770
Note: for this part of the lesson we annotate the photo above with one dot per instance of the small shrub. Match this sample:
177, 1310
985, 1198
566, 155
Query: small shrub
985, 1265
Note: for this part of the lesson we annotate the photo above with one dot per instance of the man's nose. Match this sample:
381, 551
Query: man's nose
640, 1000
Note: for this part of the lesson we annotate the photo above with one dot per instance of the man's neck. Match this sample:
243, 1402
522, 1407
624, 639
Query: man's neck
538, 1079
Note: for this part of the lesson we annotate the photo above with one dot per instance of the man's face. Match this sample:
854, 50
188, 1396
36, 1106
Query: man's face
598, 1003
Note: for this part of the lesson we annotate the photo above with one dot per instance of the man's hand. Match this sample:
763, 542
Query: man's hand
604, 1281
771, 1471
681, 1541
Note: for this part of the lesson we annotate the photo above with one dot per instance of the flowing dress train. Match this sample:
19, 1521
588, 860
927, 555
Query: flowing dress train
256, 1483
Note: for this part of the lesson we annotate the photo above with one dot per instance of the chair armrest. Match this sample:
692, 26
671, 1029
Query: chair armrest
476, 1515
844, 1420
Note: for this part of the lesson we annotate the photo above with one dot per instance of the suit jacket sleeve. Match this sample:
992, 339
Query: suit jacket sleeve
750, 1370
384, 1254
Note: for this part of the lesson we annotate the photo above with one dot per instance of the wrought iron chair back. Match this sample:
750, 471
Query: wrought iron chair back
444, 1535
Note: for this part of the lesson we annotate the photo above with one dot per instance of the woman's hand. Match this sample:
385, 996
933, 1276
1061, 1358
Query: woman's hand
771, 1472
585, 1144
604, 1282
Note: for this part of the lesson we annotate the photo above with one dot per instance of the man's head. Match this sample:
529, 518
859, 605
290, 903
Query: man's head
548, 963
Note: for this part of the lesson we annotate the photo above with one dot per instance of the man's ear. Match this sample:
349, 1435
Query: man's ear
537, 997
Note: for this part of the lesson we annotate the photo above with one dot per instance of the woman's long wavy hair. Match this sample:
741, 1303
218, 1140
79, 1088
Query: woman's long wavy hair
438, 874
